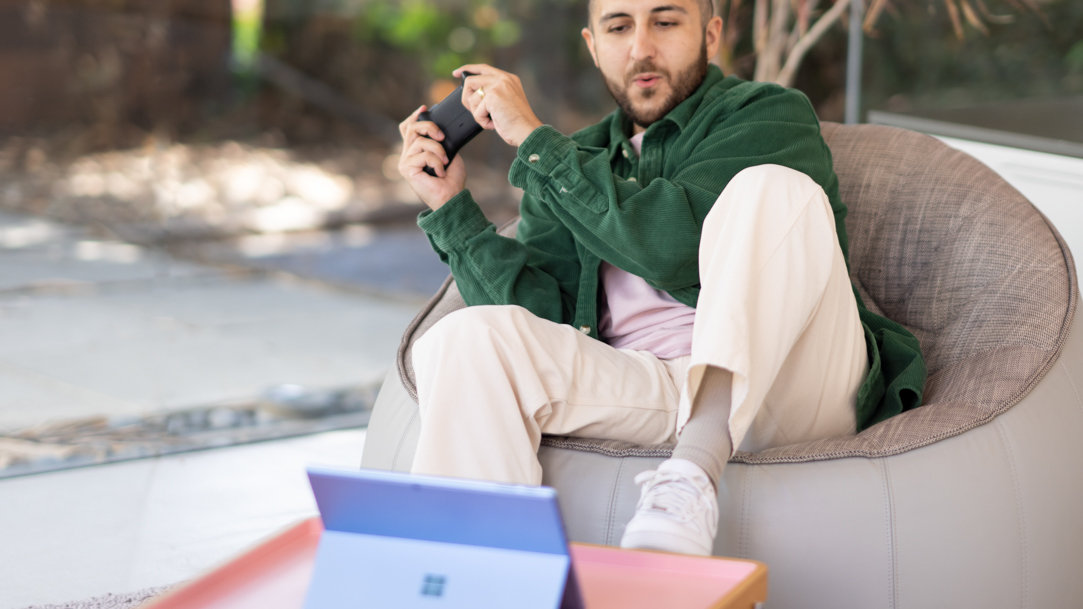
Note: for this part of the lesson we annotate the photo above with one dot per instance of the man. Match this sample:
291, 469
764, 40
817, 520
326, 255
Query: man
679, 273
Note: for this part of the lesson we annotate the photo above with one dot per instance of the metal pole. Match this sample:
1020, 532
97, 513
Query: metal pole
854, 54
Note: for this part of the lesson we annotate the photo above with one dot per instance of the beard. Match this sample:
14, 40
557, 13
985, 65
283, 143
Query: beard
685, 83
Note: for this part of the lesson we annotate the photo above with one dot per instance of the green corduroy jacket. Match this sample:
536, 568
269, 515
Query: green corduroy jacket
590, 197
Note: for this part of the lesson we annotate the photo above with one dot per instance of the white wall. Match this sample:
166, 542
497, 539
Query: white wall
1053, 183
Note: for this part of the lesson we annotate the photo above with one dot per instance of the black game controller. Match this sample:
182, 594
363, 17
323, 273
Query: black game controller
454, 120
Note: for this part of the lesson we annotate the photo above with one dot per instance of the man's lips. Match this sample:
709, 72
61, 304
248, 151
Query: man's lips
646, 81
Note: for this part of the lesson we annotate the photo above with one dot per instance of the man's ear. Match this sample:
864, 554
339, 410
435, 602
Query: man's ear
588, 37
713, 36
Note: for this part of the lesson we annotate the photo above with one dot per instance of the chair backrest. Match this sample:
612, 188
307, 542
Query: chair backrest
943, 245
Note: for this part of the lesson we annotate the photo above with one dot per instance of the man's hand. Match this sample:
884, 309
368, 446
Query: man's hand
421, 148
498, 102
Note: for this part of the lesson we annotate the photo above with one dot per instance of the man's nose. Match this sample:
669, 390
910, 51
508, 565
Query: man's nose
643, 46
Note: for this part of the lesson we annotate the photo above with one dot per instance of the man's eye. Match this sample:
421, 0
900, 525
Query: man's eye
665, 24
616, 29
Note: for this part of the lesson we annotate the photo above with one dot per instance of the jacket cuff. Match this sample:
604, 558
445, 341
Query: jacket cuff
449, 227
539, 157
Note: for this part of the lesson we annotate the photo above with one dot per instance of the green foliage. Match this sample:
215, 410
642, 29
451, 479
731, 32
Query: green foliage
448, 33
246, 40
1074, 59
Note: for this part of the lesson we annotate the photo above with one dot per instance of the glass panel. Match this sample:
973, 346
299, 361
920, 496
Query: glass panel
1020, 83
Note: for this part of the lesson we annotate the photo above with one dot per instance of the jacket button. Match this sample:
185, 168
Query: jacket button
534, 158
584, 329
625, 153
632, 179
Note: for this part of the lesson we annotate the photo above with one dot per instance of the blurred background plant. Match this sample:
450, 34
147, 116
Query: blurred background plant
976, 54
776, 35
127, 68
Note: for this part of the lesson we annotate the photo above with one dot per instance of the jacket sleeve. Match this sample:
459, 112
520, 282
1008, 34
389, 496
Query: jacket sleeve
652, 229
537, 270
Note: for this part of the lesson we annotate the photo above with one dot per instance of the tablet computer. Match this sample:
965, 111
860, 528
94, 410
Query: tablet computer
396, 540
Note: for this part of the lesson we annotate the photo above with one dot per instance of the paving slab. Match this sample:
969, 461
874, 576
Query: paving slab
30, 399
37, 254
170, 366
392, 259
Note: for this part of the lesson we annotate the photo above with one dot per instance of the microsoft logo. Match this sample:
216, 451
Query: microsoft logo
433, 585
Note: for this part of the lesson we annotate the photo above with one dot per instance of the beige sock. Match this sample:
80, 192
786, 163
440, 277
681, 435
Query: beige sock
705, 438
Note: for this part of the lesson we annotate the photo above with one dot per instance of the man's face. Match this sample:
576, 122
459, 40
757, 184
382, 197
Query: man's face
652, 53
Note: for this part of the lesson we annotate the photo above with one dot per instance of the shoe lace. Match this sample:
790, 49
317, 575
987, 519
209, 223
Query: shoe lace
670, 492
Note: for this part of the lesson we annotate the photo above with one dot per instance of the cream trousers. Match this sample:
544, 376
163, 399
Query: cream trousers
776, 309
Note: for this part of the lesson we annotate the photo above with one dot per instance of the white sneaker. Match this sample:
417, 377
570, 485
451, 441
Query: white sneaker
677, 510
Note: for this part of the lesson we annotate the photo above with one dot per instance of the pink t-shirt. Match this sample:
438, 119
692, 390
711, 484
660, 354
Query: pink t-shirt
637, 316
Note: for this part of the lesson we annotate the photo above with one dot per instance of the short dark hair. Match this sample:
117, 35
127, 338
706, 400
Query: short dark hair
706, 8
